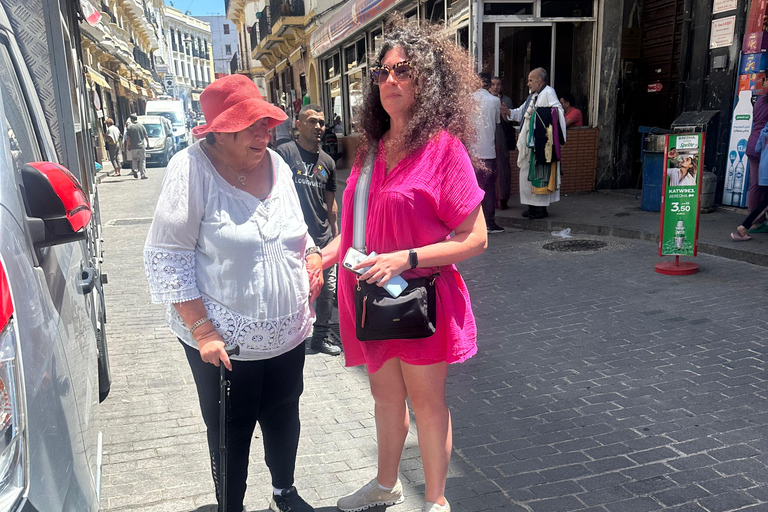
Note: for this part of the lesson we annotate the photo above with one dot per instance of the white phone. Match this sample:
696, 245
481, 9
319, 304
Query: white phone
394, 286
352, 258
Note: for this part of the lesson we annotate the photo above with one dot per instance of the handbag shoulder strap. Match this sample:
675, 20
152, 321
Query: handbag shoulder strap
361, 200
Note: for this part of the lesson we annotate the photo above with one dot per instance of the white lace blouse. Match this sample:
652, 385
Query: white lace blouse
243, 256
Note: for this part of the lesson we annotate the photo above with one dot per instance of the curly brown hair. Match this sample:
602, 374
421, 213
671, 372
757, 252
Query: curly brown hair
445, 82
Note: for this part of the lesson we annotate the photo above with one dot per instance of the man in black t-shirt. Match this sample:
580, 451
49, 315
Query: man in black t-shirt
314, 175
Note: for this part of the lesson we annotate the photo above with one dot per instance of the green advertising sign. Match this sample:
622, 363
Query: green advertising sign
680, 197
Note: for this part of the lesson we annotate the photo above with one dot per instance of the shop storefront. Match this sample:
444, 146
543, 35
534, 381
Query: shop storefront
507, 39
514, 37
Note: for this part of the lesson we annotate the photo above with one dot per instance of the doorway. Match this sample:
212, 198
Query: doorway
517, 49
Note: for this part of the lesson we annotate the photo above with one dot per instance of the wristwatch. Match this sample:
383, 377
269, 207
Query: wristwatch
413, 258
312, 250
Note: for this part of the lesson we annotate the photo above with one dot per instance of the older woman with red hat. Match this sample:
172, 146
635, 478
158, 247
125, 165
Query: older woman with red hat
229, 252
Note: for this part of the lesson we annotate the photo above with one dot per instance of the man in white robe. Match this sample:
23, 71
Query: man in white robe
542, 95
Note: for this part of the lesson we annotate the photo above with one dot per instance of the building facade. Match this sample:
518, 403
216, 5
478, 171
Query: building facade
118, 55
246, 15
629, 64
188, 56
224, 42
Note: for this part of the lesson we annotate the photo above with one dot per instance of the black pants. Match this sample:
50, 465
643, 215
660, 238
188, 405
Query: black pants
266, 391
487, 181
324, 305
756, 211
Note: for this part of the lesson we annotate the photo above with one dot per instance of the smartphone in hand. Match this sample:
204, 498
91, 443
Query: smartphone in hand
394, 286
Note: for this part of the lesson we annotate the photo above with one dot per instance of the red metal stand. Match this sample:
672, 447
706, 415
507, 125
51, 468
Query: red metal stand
677, 268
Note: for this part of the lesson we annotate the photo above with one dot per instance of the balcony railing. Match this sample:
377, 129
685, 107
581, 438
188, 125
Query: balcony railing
265, 27
233, 64
254, 30
141, 58
281, 8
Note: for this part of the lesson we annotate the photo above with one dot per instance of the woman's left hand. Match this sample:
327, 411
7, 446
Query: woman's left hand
315, 273
384, 267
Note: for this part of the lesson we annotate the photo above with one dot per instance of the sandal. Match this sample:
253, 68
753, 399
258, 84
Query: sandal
740, 238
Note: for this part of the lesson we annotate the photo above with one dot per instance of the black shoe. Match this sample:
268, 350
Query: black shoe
135, 174
495, 228
325, 345
527, 213
289, 501
504, 205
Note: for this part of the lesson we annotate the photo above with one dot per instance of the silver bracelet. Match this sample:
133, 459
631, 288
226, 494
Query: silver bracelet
197, 324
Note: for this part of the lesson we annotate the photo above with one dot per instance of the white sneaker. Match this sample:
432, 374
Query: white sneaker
434, 507
371, 495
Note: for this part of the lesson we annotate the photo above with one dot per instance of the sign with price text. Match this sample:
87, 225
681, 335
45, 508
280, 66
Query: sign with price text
683, 159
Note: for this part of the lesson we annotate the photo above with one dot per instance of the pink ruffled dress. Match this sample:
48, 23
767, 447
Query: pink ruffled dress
419, 203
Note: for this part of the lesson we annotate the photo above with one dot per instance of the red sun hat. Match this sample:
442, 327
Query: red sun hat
234, 103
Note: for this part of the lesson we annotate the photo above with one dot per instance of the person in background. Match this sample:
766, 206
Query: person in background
136, 142
113, 144
756, 194
541, 96
505, 139
229, 253
573, 116
424, 215
314, 176
486, 125
283, 131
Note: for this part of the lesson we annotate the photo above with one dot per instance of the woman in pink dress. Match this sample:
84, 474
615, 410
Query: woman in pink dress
424, 216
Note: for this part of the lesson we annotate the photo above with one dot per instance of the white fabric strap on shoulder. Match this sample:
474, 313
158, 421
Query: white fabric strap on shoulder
361, 200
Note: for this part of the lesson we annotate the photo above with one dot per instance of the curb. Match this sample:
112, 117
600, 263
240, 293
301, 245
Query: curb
628, 233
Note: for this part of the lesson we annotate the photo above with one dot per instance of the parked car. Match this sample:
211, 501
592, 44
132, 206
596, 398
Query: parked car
161, 141
173, 110
54, 366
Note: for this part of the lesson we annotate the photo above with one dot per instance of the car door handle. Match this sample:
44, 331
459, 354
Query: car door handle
87, 280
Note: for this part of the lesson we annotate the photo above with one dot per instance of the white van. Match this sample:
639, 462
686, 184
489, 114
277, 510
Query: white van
173, 110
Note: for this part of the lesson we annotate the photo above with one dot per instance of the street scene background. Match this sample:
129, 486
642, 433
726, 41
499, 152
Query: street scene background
599, 385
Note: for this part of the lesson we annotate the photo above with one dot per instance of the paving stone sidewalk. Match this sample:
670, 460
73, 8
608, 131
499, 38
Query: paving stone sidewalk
599, 386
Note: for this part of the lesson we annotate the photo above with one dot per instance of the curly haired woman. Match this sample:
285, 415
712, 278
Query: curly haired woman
417, 110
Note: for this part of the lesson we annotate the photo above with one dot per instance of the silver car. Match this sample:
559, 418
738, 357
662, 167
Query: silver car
53, 362
161, 145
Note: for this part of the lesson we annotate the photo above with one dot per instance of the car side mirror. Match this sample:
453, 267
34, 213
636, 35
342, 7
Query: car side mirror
57, 209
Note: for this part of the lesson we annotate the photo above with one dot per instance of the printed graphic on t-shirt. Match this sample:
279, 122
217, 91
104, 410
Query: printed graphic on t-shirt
310, 174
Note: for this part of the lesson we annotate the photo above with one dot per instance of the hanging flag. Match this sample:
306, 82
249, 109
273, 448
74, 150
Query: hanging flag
92, 16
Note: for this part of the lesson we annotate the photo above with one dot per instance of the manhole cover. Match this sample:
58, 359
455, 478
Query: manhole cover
575, 245
130, 222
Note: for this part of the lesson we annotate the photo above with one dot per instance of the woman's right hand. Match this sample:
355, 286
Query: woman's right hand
212, 351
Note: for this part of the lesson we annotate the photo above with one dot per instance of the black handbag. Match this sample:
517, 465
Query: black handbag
413, 314
378, 315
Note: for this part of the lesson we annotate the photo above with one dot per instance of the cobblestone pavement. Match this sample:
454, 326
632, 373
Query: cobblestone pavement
599, 386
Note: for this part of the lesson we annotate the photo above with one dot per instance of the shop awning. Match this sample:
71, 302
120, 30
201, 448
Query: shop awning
269, 76
96, 77
125, 83
134, 89
281, 66
195, 96
349, 18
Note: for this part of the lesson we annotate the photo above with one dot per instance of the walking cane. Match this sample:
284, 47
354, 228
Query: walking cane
223, 394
